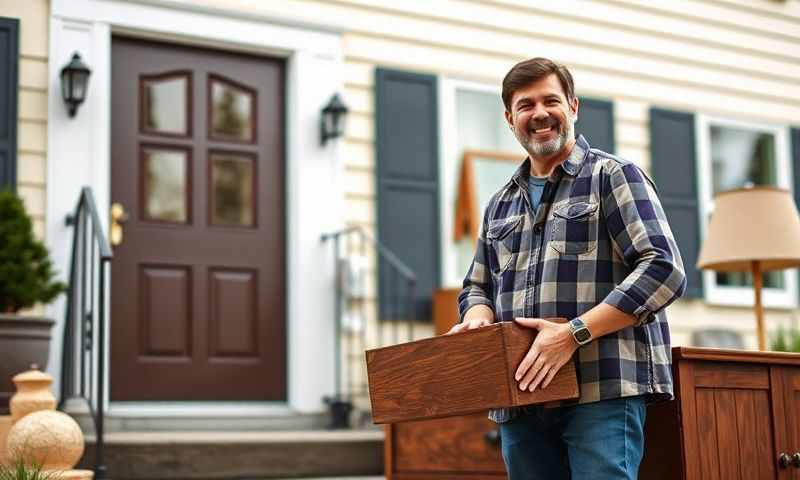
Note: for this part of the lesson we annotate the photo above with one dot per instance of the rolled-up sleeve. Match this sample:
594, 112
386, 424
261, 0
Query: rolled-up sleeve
477, 286
641, 235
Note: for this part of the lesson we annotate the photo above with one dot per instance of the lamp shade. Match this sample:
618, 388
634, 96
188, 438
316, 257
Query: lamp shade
752, 224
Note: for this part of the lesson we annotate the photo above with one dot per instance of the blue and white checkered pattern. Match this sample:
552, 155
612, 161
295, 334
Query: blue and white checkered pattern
599, 235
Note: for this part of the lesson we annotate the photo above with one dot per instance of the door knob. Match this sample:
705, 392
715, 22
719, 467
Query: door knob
784, 460
492, 437
118, 217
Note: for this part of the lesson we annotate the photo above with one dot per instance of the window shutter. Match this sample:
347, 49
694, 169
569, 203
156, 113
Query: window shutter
596, 123
673, 165
9, 59
407, 158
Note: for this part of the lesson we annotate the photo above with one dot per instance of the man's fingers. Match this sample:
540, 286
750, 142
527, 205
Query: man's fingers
549, 378
526, 362
529, 322
456, 328
532, 372
543, 371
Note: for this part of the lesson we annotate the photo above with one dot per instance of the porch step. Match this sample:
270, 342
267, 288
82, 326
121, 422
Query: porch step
240, 455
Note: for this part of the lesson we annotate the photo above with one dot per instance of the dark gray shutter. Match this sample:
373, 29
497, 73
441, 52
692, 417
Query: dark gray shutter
673, 160
596, 123
9, 60
795, 140
407, 151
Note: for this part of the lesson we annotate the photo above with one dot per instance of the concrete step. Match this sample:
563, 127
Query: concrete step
240, 454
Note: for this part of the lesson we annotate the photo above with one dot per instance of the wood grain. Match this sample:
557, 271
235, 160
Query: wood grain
447, 445
731, 375
708, 454
456, 374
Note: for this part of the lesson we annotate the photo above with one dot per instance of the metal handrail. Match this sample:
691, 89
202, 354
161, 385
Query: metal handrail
83, 265
340, 405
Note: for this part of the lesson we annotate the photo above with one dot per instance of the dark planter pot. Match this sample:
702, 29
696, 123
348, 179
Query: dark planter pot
24, 341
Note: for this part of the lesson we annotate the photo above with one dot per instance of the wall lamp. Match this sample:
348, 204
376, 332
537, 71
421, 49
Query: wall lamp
74, 82
333, 118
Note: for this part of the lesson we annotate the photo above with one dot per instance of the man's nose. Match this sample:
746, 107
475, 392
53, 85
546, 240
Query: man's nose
539, 113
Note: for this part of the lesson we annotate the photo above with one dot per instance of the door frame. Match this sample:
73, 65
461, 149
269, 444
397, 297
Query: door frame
79, 154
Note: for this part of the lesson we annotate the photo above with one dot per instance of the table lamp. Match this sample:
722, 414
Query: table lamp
752, 229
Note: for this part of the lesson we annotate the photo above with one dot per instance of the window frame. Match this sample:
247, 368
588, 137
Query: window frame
785, 298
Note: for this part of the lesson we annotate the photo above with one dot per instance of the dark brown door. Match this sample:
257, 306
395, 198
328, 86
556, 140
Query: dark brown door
197, 291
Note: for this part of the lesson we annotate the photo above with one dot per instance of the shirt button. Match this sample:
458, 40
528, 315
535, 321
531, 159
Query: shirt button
537, 228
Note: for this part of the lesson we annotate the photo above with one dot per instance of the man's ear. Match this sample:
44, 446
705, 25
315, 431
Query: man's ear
574, 107
509, 119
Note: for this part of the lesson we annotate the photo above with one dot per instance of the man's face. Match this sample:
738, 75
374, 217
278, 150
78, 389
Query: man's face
541, 118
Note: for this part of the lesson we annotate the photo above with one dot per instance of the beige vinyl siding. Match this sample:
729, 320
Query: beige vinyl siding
33, 16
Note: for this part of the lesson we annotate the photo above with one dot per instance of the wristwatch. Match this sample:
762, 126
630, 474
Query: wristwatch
580, 332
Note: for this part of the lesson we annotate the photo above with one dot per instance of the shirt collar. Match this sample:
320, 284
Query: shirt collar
571, 166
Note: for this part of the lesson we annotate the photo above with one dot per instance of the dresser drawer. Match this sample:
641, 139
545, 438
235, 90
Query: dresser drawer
454, 444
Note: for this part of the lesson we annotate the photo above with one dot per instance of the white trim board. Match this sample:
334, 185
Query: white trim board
79, 154
785, 298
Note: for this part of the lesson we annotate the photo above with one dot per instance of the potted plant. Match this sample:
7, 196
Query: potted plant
786, 340
26, 277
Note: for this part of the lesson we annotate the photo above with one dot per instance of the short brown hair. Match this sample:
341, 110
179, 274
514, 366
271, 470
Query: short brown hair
526, 72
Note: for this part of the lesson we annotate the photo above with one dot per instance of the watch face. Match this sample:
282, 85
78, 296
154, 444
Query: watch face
582, 335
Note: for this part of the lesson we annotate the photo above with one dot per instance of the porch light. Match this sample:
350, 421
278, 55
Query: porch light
333, 119
74, 82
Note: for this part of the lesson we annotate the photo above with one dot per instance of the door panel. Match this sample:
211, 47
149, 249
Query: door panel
197, 298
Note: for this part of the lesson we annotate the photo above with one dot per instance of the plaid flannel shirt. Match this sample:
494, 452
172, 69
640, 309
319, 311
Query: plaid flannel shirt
599, 235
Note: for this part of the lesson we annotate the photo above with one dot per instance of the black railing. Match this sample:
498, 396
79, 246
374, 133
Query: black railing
357, 255
84, 349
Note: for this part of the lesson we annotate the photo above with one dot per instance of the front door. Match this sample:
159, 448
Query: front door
197, 283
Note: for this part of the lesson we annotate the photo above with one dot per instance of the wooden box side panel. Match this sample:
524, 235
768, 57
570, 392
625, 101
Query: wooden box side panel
440, 376
563, 386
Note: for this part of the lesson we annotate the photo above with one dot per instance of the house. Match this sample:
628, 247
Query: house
202, 122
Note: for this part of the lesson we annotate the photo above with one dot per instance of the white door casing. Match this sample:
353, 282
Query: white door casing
79, 155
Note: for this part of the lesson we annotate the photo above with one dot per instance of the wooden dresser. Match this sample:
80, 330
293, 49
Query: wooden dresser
736, 416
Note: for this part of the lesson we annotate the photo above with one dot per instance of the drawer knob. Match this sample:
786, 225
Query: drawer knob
492, 437
784, 460
796, 460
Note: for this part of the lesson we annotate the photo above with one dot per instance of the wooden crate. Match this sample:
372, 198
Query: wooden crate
457, 374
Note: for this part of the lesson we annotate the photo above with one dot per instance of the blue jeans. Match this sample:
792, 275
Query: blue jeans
601, 441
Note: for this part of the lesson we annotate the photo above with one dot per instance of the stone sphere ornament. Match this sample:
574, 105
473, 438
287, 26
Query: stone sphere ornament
49, 438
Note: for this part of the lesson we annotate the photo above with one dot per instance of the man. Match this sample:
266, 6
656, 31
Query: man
576, 233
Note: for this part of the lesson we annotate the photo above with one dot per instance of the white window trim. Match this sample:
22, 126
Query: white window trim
448, 170
742, 296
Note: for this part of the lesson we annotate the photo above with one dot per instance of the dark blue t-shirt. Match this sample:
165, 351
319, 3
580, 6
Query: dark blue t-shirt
535, 190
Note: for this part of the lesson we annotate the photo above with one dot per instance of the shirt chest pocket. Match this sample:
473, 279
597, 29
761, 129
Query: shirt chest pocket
574, 229
504, 237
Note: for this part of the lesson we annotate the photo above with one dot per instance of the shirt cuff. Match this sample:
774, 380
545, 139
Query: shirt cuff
622, 301
470, 302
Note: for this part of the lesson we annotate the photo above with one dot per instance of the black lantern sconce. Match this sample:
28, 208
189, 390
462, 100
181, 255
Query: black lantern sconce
74, 83
333, 119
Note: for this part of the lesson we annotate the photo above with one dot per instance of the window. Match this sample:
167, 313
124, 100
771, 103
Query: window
733, 155
472, 119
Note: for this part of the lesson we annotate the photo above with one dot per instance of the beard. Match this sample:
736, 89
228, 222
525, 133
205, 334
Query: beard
549, 147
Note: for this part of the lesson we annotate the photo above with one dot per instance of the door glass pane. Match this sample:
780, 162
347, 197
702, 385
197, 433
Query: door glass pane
743, 158
232, 189
166, 105
232, 111
165, 184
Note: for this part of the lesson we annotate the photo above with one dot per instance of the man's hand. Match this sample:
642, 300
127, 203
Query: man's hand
476, 317
551, 349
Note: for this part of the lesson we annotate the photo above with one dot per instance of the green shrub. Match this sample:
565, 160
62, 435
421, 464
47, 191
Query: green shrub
26, 272
786, 340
